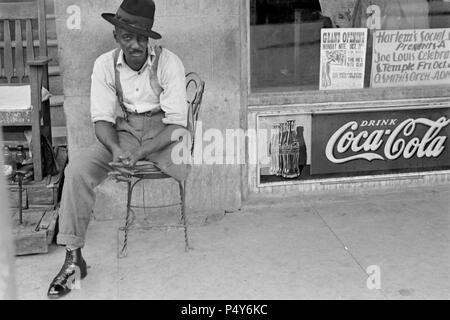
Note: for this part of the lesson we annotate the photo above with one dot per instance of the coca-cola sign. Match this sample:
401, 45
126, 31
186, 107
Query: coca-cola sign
372, 141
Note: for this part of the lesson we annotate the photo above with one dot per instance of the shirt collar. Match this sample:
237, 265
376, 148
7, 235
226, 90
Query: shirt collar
150, 59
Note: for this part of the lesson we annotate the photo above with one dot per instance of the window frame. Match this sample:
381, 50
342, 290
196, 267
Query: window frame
273, 97
255, 103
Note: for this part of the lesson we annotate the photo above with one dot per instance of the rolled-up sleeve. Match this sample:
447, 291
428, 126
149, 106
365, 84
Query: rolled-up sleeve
103, 96
173, 99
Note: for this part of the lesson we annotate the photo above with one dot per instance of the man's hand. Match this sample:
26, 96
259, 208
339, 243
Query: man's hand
117, 152
107, 135
129, 158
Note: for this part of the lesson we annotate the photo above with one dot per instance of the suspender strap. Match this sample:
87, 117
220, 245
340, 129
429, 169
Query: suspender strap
118, 85
154, 83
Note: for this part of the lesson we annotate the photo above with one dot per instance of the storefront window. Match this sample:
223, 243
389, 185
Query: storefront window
299, 45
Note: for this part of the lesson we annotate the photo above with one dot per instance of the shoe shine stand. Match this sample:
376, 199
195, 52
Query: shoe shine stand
34, 209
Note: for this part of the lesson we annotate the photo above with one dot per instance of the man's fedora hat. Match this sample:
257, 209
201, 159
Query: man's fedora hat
135, 16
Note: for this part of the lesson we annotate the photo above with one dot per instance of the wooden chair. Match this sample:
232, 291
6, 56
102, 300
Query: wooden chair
145, 170
24, 73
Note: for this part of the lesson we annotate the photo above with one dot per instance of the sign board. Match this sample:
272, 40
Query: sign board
410, 57
380, 140
342, 58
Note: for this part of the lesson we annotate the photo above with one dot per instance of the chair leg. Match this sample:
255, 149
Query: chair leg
123, 252
182, 185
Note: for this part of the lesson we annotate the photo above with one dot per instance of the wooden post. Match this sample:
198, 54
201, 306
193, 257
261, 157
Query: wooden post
36, 102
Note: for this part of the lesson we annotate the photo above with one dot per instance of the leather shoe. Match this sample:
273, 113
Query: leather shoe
73, 269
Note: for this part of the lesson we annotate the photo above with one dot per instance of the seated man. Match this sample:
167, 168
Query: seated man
139, 111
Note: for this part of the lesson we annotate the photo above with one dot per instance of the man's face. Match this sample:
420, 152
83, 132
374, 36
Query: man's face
134, 46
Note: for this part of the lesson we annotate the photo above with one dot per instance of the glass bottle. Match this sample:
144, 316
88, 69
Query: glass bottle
291, 148
8, 161
281, 140
274, 149
302, 154
20, 155
7, 156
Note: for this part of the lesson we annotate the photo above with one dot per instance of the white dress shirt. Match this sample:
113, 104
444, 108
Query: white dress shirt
138, 95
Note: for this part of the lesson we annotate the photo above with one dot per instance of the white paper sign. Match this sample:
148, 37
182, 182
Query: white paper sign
410, 57
342, 58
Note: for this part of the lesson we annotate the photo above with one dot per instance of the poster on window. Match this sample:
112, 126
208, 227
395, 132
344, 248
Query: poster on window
410, 58
342, 58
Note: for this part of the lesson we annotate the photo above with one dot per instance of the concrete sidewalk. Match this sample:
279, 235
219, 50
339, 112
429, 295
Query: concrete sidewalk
317, 246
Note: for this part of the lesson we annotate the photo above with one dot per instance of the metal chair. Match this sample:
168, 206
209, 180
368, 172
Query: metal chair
24, 76
145, 170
